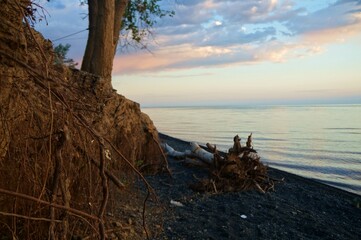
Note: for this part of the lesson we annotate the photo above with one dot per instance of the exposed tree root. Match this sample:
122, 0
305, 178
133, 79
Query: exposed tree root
238, 170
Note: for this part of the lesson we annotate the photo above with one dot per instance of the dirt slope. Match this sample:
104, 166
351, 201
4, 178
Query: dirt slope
66, 138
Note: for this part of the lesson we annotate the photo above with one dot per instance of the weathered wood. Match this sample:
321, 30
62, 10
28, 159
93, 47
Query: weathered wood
202, 154
195, 152
249, 141
173, 153
212, 147
236, 145
239, 170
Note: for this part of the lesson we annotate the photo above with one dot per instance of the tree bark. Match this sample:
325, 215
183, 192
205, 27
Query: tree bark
92, 6
121, 5
105, 19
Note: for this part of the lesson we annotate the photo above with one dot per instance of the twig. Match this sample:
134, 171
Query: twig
163, 154
29, 218
105, 189
258, 186
149, 187
143, 214
55, 183
64, 137
66, 199
72, 210
214, 186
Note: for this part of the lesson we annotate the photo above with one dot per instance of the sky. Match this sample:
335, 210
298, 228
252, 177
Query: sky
232, 52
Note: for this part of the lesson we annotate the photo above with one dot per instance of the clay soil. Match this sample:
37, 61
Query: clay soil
299, 208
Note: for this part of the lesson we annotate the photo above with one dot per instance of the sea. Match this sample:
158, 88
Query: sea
321, 142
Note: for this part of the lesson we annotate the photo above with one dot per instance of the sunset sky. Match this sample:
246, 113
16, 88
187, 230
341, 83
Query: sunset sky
235, 52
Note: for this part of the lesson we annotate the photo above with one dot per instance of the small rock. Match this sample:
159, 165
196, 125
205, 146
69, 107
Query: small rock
176, 203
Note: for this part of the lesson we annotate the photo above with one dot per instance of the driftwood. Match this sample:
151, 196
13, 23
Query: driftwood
249, 141
239, 169
173, 153
202, 154
194, 155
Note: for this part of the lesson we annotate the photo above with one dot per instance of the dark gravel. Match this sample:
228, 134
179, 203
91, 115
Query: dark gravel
299, 208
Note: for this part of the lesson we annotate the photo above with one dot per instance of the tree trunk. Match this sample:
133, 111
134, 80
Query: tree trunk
92, 6
105, 19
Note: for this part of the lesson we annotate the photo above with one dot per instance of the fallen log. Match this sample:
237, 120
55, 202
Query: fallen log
202, 154
173, 153
195, 152
208, 156
238, 170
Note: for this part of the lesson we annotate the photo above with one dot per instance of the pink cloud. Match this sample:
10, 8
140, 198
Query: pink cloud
165, 58
310, 33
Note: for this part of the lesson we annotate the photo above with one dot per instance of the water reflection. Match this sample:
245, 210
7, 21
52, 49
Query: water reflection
321, 142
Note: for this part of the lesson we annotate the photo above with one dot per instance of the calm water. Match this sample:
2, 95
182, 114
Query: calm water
318, 142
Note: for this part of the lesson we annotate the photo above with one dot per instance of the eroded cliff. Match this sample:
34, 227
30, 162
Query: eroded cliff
66, 138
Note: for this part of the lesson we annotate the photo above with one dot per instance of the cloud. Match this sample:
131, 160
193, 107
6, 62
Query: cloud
220, 33
190, 56
339, 15
207, 33
172, 57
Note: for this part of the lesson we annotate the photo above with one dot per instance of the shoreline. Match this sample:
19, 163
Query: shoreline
278, 171
305, 140
299, 208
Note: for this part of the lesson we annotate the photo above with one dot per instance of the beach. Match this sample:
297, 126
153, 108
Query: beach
299, 208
